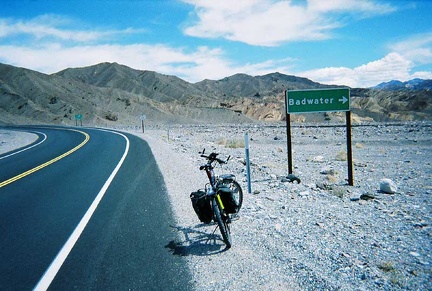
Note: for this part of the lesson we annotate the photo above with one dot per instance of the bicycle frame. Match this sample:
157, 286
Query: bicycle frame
209, 169
212, 176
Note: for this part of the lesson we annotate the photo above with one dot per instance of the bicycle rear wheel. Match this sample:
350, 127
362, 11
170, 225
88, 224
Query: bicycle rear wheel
222, 223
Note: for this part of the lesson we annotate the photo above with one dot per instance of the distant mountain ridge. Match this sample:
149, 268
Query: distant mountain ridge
147, 83
110, 93
414, 84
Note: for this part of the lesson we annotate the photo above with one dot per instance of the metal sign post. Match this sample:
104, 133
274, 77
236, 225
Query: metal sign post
142, 117
307, 101
349, 149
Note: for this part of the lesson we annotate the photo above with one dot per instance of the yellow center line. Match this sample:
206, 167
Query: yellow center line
22, 175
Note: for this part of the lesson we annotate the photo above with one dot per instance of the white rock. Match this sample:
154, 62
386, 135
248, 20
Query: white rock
304, 193
388, 186
318, 159
355, 196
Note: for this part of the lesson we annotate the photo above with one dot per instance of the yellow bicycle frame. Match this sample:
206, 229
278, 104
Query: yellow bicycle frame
220, 201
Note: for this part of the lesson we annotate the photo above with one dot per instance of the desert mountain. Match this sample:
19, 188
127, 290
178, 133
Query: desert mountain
414, 84
110, 93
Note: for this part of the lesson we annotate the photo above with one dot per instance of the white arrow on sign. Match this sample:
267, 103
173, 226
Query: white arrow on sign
343, 100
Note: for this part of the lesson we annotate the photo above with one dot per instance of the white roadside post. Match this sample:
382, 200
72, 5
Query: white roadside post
248, 163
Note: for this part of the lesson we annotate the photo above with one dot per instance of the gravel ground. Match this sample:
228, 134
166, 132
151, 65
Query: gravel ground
321, 233
10, 140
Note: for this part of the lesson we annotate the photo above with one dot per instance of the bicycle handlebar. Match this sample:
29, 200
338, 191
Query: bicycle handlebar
213, 157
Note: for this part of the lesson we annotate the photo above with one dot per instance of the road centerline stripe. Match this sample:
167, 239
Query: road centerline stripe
26, 173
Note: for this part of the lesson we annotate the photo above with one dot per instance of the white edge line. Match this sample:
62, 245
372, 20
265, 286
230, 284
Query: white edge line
56, 264
24, 149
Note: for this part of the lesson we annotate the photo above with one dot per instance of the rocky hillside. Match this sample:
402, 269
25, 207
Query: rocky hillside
113, 94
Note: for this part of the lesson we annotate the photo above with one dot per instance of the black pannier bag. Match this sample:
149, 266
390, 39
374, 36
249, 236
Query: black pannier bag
228, 200
201, 205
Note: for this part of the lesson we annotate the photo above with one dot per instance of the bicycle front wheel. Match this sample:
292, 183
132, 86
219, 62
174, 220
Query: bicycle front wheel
237, 191
222, 223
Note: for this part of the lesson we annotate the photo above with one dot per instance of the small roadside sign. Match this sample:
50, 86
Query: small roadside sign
322, 100
78, 117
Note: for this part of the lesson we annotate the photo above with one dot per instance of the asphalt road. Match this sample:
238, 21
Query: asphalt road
68, 220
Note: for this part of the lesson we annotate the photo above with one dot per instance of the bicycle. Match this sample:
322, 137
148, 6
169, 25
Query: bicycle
222, 199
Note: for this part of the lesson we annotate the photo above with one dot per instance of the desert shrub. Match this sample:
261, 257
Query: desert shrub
341, 156
53, 100
396, 277
332, 178
387, 267
231, 143
338, 192
111, 116
222, 141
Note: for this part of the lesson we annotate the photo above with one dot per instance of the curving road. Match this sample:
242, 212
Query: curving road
85, 209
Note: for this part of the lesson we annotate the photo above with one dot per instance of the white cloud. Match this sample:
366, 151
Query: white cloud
399, 64
191, 66
216, 67
391, 67
417, 48
51, 58
367, 7
201, 63
59, 47
56, 27
271, 23
51, 45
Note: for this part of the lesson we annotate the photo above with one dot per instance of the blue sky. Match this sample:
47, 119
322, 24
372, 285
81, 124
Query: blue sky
359, 43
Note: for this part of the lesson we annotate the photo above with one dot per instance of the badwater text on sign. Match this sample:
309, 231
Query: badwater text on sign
310, 101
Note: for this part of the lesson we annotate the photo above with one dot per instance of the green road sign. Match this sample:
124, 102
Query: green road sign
78, 116
304, 101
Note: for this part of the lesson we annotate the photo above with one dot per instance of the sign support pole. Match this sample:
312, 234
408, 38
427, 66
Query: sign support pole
142, 117
288, 129
349, 149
